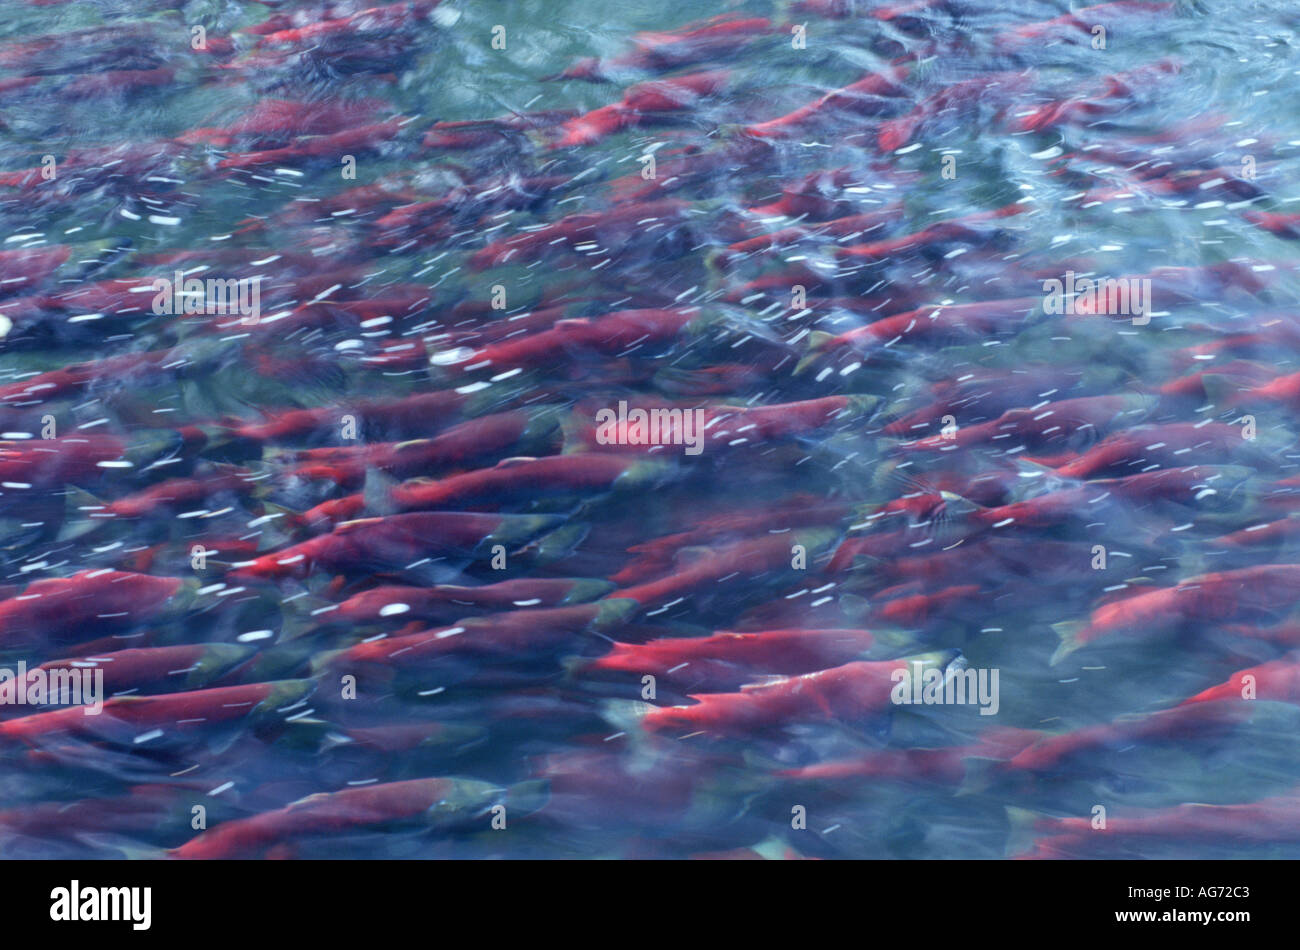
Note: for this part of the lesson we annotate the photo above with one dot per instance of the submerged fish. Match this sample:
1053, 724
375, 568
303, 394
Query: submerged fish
416, 445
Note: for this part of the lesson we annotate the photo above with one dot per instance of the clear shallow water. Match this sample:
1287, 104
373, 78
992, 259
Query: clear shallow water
563, 749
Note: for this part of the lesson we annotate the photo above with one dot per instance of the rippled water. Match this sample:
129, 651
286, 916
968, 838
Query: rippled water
1163, 168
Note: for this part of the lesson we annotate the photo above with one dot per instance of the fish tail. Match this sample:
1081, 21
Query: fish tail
980, 773
1022, 833
528, 797
224, 436
957, 505
818, 342
1034, 467
717, 261
1070, 632
615, 611
303, 615
80, 518
326, 662
892, 641
587, 589
287, 518
130, 850
378, 492
1220, 391
558, 544
627, 715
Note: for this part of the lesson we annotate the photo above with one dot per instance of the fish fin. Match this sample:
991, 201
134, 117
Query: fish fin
614, 611
862, 404
886, 478
957, 506
529, 796
717, 261
316, 583
559, 543
1036, 478
890, 641
377, 492
572, 434
129, 849
740, 320
335, 739
625, 714
587, 589
222, 742
1068, 631
201, 399
280, 515
278, 455
980, 772
324, 662
77, 521
1221, 391
576, 666
818, 341
1021, 834
304, 614
679, 381
223, 438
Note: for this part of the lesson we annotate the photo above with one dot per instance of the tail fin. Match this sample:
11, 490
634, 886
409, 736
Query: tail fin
717, 261
981, 772
1222, 391
378, 492
892, 641
529, 796
289, 523
957, 506
625, 714
557, 544
818, 342
1023, 830
79, 519
1069, 631
303, 615
587, 589
131, 850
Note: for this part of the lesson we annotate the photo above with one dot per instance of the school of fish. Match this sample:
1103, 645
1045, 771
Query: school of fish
387, 561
